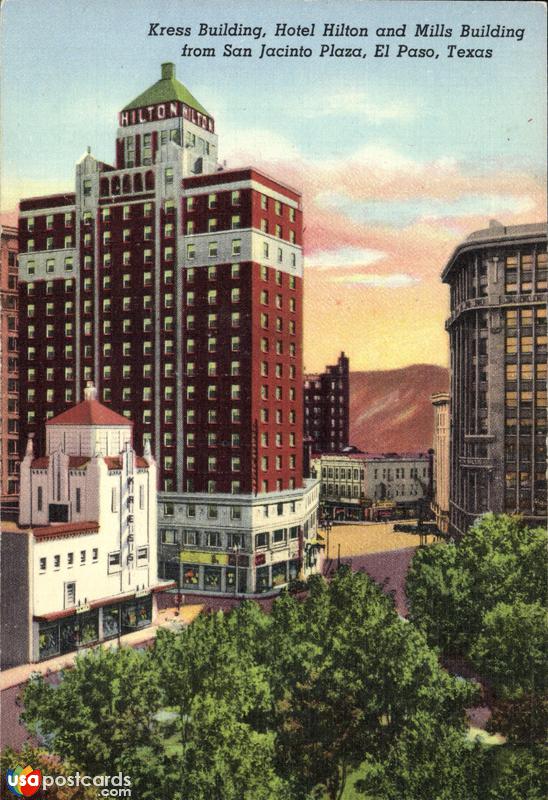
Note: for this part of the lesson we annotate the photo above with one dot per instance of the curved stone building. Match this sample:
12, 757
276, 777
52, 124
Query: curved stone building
498, 341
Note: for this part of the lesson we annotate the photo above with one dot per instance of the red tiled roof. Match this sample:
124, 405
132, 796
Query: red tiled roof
65, 529
115, 462
89, 412
75, 462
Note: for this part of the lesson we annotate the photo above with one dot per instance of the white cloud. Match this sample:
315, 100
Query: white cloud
395, 280
343, 257
356, 103
259, 144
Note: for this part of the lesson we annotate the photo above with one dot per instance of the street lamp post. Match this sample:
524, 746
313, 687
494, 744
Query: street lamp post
236, 549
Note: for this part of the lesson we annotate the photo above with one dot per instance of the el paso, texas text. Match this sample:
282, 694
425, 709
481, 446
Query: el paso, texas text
338, 30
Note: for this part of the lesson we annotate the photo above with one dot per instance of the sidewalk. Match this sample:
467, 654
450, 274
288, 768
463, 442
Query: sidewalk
166, 619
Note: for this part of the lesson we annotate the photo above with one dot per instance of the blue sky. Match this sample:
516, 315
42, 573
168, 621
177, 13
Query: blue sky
403, 127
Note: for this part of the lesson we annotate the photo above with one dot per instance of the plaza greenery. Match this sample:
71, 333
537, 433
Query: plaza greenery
255, 706
329, 697
485, 600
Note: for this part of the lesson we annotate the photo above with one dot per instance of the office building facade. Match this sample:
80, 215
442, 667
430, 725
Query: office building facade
440, 445
498, 340
326, 407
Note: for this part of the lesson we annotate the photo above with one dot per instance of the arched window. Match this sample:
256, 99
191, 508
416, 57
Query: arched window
116, 185
149, 180
126, 184
137, 182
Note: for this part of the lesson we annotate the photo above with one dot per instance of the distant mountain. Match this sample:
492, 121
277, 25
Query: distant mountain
391, 411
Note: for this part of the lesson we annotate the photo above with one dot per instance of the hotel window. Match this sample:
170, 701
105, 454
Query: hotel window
88, 262
235, 319
235, 295
68, 241
31, 268
265, 253
190, 297
168, 300
213, 250
212, 464
30, 224
168, 175
235, 197
264, 439
105, 214
212, 201
264, 368
168, 276
235, 343
264, 202
190, 227
147, 233
234, 368
280, 255
235, 415
68, 263
190, 202
279, 275
147, 256
235, 440
264, 463
212, 368
236, 247
212, 297
292, 239
235, 391
264, 225
264, 320
291, 214
235, 271
278, 232
212, 488
168, 230
191, 251
147, 416
292, 282
212, 392
212, 416
50, 265
190, 345
168, 253
212, 224
235, 222
212, 439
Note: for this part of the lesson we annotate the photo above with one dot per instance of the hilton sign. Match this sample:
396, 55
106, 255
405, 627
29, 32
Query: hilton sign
161, 111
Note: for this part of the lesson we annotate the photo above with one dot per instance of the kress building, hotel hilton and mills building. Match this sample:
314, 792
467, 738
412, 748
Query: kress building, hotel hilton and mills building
176, 286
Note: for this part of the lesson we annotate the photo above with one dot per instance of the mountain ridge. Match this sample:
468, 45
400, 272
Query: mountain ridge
391, 410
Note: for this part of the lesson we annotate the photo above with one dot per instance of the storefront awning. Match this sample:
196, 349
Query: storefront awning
105, 601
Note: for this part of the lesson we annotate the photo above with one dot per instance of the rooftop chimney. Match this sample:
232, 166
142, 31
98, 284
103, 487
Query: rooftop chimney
168, 71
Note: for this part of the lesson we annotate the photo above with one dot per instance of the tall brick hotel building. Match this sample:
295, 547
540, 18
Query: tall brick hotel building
176, 286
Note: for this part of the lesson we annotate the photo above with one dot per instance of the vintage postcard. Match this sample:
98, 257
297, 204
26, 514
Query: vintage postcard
273, 364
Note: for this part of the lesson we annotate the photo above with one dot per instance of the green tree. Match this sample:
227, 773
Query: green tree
450, 589
510, 651
104, 705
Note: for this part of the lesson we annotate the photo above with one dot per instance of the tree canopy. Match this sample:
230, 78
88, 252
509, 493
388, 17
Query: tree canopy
255, 706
